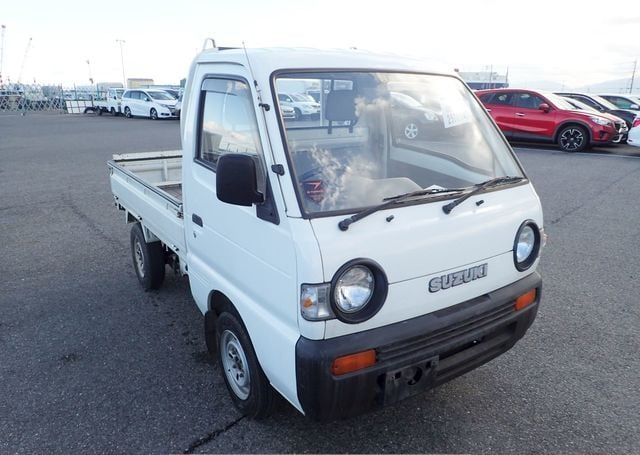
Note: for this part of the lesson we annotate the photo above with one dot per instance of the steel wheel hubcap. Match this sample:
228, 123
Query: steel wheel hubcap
571, 139
411, 131
139, 258
235, 365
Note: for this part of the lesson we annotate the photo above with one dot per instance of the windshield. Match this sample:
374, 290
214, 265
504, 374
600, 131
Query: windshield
365, 146
606, 103
580, 105
560, 102
161, 96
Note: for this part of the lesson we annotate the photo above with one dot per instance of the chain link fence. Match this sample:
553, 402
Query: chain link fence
22, 98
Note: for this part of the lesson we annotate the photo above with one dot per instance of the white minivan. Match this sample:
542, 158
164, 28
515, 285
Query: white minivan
154, 104
335, 261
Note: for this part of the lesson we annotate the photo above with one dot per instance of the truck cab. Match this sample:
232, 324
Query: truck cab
337, 262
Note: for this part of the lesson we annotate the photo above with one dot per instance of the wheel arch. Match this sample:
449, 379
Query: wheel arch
566, 123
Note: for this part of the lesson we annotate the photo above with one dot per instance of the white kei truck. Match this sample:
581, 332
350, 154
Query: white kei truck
336, 261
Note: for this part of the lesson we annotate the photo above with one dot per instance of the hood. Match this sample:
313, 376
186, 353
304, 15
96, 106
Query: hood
422, 242
169, 103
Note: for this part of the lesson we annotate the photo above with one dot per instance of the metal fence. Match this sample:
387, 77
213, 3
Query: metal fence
48, 98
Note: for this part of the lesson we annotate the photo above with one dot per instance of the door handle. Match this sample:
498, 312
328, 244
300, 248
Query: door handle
196, 219
519, 114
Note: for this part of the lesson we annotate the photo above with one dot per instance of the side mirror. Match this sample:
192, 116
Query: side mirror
236, 180
544, 107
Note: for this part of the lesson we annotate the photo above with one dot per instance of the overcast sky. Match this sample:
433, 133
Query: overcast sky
571, 42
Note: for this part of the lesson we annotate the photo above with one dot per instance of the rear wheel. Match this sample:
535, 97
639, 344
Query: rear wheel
127, 112
148, 259
113, 112
247, 384
153, 114
573, 138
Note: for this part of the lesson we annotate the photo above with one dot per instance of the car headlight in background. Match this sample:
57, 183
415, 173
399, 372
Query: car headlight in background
600, 121
354, 289
526, 246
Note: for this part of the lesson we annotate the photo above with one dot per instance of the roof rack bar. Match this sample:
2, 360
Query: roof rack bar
213, 44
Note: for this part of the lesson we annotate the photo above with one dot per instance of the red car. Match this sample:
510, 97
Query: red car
528, 115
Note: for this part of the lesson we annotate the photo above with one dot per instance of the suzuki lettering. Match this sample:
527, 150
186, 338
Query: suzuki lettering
457, 278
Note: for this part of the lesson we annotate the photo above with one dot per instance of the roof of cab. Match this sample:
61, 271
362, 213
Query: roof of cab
272, 59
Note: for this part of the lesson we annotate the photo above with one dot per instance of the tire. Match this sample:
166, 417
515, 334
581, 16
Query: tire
113, 112
411, 131
99, 112
248, 386
127, 112
298, 114
153, 114
573, 138
148, 259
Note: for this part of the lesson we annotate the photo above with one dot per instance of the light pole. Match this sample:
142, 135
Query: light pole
90, 76
124, 80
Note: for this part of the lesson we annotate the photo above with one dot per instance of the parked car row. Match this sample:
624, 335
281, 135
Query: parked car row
573, 121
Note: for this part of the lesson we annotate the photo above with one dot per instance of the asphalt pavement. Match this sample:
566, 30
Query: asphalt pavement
89, 363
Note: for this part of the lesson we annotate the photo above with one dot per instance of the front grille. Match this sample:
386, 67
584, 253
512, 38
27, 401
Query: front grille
429, 343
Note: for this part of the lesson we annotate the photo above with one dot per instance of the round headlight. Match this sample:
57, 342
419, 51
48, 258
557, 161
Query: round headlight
526, 245
354, 289
358, 291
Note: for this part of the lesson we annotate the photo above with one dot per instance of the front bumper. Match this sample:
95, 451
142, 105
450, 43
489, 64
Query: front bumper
413, 355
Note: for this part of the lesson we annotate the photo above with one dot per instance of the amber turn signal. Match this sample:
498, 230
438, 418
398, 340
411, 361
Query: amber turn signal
353, 362
525, 300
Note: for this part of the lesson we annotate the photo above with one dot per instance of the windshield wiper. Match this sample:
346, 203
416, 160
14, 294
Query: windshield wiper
389, 201
479, 187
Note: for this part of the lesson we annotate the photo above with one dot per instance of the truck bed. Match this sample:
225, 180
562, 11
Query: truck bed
148, 187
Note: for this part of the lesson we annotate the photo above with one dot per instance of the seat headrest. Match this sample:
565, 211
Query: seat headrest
340, 106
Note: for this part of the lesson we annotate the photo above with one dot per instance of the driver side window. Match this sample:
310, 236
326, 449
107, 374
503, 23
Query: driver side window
228, 124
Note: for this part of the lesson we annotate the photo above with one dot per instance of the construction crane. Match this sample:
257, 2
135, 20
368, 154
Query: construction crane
24, 59
3, 28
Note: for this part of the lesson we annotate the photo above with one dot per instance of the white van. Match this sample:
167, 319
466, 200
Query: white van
337, 263
154, 104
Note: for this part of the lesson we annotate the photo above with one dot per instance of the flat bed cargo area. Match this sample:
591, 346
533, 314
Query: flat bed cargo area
148, 187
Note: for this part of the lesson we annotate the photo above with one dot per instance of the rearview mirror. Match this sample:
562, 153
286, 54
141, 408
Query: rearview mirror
236, 180
544, 107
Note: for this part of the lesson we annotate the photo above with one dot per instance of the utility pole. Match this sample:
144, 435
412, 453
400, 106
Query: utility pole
124, 80
633, 75
3, 28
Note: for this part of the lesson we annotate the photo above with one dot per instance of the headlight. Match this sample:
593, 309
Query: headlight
358, 291
354, 289
526, 246
600, 121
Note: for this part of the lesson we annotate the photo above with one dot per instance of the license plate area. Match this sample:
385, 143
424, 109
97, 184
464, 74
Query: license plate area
409, 380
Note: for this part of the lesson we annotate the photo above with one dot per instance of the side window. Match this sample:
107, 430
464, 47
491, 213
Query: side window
486, 98
505, 99
229, 124
528, 101
135, 95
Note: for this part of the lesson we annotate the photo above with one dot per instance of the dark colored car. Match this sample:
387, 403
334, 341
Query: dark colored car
534, 116
621, 125
602, 105
412, 119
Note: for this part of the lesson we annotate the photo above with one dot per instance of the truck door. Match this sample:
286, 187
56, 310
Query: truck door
240, 251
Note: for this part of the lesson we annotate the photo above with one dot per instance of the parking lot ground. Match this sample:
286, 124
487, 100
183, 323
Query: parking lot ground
90, 363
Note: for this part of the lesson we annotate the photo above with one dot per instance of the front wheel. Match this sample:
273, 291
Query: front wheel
127, 112
573, 139
411, 131
153, 114
247, 384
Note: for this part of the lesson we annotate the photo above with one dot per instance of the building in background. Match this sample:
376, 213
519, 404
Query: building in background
480, 80
138, 82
